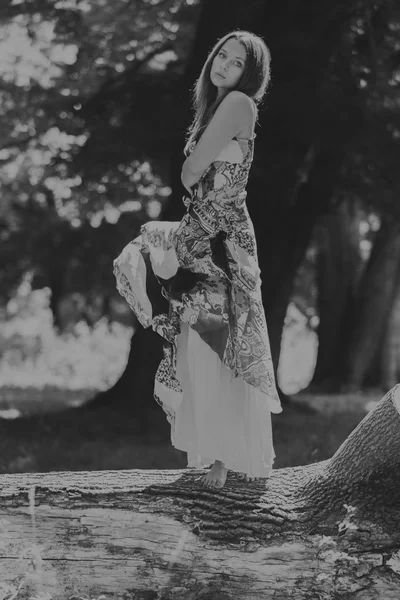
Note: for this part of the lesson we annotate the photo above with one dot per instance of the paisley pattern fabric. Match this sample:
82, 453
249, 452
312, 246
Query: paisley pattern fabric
206, 271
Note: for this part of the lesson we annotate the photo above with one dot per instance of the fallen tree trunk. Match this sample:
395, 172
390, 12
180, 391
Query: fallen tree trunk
321, 531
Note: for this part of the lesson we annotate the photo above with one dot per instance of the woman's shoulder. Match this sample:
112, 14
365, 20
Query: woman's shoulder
237, 98
239, 102
244, 109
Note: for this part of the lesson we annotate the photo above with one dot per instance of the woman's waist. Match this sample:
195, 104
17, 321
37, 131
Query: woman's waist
227, 199
213, 219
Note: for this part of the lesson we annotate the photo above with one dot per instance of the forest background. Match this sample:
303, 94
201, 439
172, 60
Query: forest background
95, 101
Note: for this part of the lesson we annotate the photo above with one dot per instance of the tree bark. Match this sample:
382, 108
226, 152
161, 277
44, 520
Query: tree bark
326, 530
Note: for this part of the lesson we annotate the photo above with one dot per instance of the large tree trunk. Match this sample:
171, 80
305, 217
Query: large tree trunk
326, 530
298, 160
338, 271
217, 18
133, 391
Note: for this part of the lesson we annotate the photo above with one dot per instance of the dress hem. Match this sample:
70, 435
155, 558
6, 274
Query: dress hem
203, 463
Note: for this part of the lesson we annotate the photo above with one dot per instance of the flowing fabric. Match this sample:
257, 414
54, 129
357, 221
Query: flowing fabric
206, 270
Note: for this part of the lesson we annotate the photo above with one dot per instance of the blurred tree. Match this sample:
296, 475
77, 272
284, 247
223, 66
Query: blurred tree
375, 299
356, 295
75, 170
337, 238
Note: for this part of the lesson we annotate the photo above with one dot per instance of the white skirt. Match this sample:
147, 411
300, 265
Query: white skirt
220, 417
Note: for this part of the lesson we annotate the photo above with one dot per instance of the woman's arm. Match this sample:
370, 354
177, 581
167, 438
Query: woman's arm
230, 118
187, 177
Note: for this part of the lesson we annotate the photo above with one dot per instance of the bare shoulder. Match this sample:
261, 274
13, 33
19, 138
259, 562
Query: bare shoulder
238, 100
241, 109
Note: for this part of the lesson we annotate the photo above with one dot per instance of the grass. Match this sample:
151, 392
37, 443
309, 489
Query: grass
44, 374
103, 440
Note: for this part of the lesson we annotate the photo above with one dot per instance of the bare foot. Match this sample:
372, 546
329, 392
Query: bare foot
216, 477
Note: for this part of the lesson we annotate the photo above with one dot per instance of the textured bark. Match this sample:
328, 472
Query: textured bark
329, 530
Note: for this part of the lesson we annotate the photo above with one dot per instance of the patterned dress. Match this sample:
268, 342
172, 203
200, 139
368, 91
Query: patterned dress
216, 381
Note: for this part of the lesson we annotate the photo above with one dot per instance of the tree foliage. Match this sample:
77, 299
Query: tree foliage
84, 152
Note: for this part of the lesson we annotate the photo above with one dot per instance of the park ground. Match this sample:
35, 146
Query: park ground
42, 374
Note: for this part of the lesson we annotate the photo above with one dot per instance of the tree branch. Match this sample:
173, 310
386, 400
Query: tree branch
122, 78
18, 143
149, 9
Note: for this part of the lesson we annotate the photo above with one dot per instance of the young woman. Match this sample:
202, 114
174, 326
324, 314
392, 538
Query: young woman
216, 382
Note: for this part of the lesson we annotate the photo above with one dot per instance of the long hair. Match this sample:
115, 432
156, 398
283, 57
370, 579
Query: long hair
253, 82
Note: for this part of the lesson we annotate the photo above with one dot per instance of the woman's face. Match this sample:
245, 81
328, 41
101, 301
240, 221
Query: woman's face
228, 66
